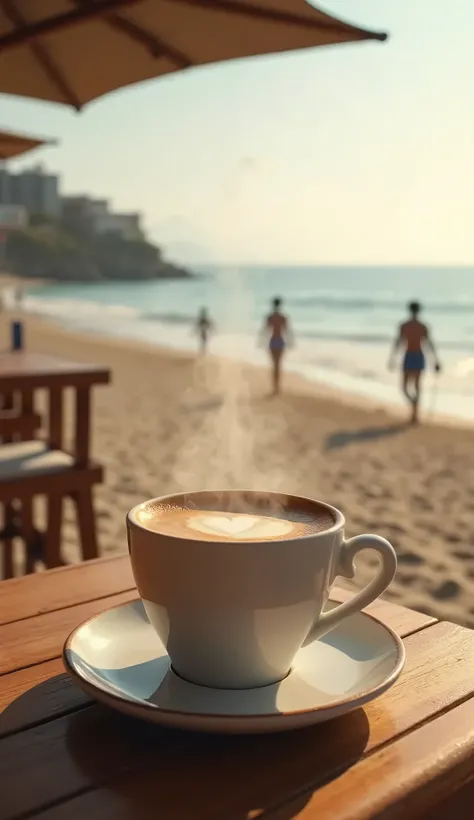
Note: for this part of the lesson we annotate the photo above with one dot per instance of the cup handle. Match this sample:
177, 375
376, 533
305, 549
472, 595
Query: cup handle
385, 575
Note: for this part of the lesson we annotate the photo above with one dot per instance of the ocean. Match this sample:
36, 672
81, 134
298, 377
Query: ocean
344, 320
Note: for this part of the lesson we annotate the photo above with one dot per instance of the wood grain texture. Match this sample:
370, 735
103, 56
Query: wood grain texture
45, 592
42, 637
131, 768
37, 708
65, 587
61, 589
37, 694
403, 621
23, 643
408, 779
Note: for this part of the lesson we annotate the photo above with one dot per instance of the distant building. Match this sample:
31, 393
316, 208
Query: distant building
5, 198
126, 225
77, 213
34, 189
96, 215
13, 218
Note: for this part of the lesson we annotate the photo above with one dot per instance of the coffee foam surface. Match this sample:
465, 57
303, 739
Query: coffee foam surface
238, 526
225, 525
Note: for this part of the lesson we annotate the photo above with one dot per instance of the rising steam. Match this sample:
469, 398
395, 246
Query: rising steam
231, 421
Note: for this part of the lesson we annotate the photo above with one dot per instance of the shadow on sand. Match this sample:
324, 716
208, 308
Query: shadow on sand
345, 437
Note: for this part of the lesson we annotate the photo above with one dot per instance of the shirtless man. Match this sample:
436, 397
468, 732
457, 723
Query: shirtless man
277, 329
414, 337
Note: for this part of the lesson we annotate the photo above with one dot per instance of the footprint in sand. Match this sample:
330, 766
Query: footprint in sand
394, 529
452, 538
103, 513
446, 590
422, 502
406, 579
463, 555
410, 558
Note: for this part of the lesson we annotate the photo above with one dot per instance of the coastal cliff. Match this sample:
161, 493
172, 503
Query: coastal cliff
47, 249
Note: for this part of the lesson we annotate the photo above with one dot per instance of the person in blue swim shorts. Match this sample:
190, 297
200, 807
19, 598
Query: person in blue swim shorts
278, 332
414, 337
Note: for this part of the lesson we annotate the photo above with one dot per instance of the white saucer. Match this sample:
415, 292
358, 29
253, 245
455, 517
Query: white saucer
117, 658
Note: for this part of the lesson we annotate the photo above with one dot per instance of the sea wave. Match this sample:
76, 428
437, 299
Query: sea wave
376, 339
77, 307
343, 303
169, 318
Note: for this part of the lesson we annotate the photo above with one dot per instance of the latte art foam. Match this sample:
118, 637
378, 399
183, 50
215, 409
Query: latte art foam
225, 525
239, 527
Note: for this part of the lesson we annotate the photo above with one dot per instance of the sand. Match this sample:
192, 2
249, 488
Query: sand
171, 422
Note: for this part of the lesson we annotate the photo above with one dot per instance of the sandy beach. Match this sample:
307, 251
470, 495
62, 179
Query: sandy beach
171, 422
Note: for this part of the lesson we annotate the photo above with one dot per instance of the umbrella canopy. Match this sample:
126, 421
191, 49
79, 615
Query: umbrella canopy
14, 145
72, 51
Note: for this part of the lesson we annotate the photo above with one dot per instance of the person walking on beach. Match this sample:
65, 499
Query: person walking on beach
414, 337
277, 329
204, 327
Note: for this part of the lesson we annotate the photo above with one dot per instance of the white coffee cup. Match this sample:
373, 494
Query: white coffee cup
233, 614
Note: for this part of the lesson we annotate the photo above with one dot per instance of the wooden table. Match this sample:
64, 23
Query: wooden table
22, 372
24, 369
409, 754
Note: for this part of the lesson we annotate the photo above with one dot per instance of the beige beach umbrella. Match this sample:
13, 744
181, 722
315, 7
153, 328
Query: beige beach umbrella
14, 145
73, 51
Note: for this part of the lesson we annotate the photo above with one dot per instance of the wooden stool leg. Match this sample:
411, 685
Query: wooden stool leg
27, 533
8, 558
53, 531
8, 513
86, 522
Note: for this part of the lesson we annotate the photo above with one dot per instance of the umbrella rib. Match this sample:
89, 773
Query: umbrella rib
16, 18
238, 7
155, 44
151, 42
62, 21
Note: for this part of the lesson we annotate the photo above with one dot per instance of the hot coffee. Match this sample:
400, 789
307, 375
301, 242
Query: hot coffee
244, 522
235, 582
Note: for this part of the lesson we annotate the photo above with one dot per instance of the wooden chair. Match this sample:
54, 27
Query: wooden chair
30, 467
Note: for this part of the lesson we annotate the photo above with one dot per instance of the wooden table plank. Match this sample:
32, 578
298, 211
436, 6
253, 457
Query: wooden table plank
64, 587
43, 636
136, 765
14, 683
26, 370
68, 586
37, 694
24, 643
406, 779
403, 621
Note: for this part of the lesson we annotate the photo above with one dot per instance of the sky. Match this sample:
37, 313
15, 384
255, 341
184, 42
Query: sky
355, 154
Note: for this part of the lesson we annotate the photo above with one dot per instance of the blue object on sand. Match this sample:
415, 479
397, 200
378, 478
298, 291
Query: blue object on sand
17, 335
